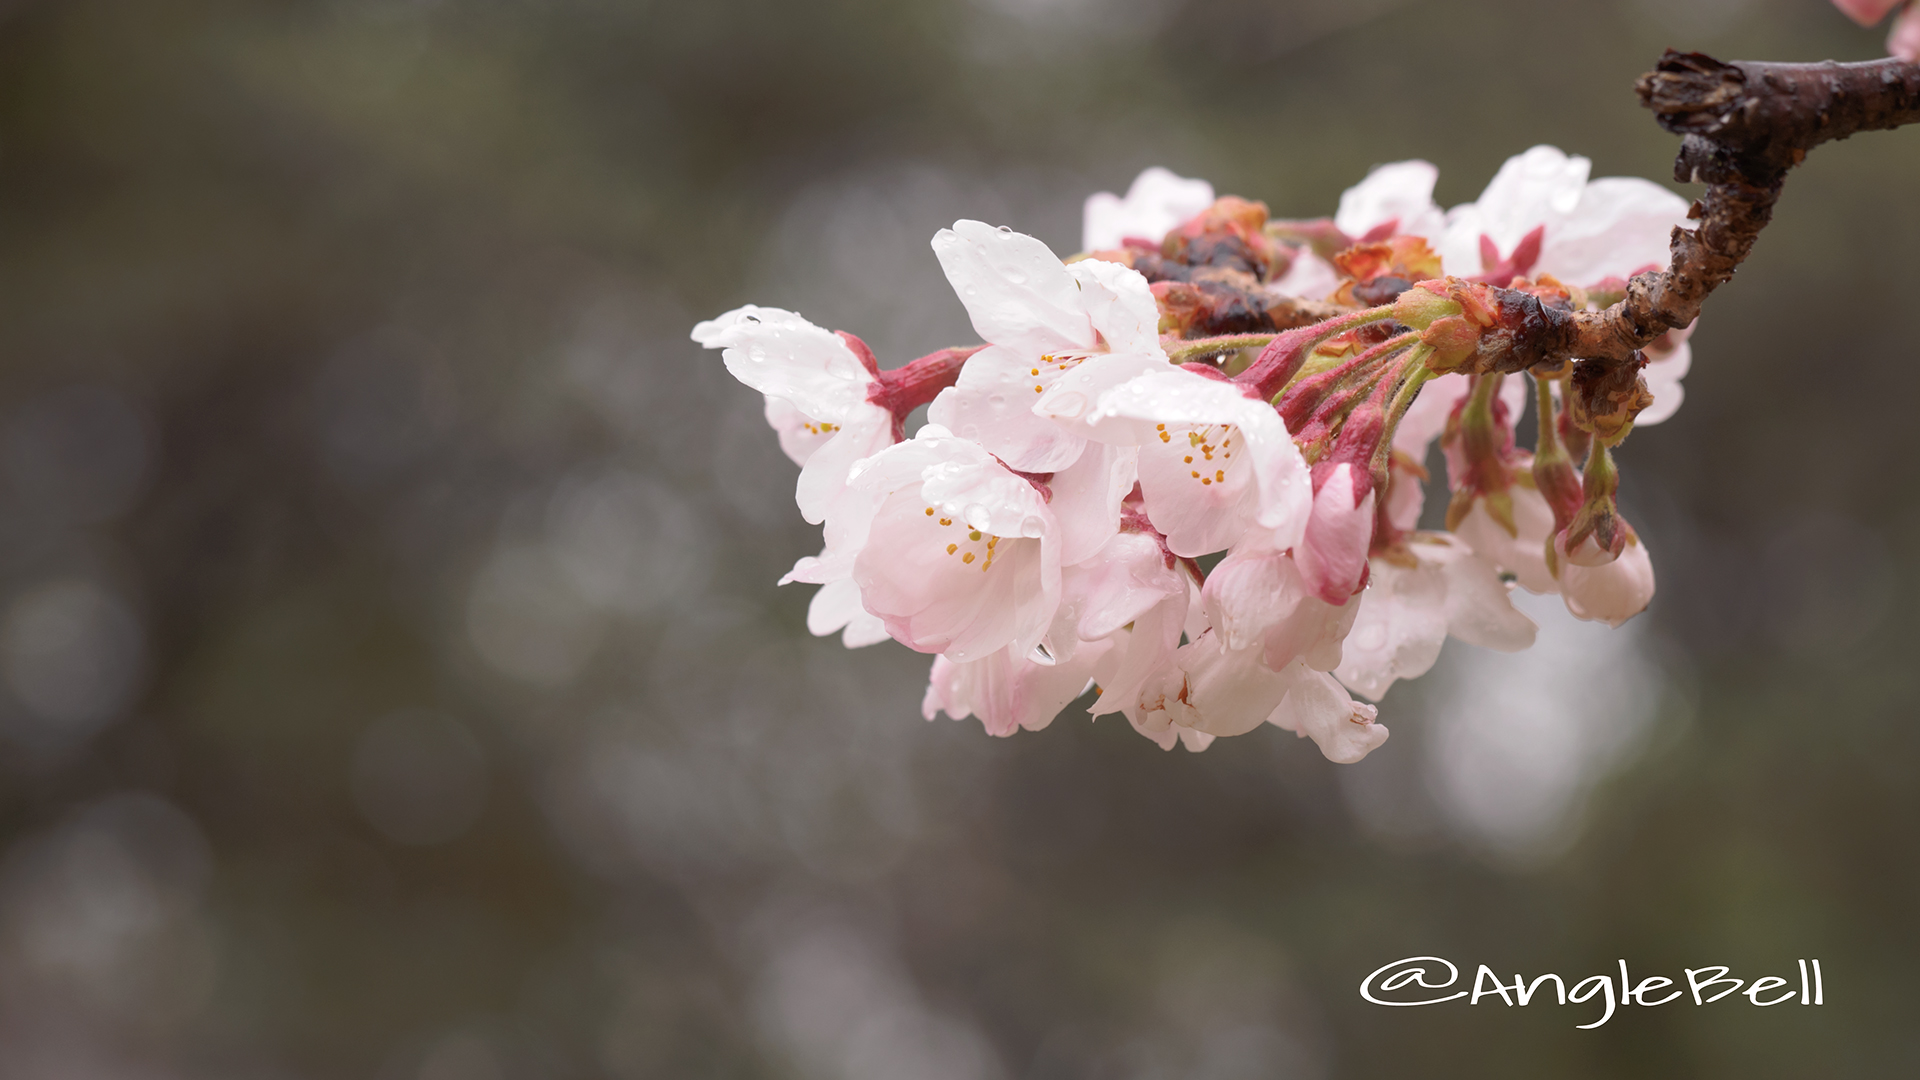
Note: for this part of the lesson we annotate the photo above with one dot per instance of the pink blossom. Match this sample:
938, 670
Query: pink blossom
1009, 691
1394, 199
953, 552
1317, 707
1432, 587
818, 395
1041, 319
1156, 202
836, 608
1257, 598
1612, 227
1213, 462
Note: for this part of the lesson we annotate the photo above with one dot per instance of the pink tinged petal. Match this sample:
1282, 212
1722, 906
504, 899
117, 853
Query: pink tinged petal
1070, 398
1333, 554
1125, 580
1401, 192
1195, 741
866, 432
1120, 305
992, 403
936, 600
1522, 553
1087, 497
1401, 624
1015, 288
1244, 469
836, 608
1866, 12
1904, 40
1229, 692
1426, 418
1479, 607
1250, 592
1310, 277
783, 355
1156, 202
1614, 592
1008, 691
1620, 225
1141, 657
1318, 708
800, 435
1539, 187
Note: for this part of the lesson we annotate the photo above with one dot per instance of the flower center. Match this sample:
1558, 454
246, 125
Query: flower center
1207, 453
968, 545
1051, 367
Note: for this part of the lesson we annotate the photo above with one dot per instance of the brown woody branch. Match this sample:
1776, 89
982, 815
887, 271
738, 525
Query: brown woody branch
1744, 125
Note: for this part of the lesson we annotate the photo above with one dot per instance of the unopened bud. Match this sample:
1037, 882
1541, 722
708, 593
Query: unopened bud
1420, 306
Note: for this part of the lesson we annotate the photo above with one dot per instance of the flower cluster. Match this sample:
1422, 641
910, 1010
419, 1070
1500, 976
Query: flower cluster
1185, 468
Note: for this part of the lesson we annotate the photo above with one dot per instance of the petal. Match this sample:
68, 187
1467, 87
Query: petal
1522, 553
783, 355
1401, 192
1230, 691
835, 607
1663, 379
1156, 202
1015, 288
1620, 225
992, 403
1266, 484
1316, 707
867, 431
1120, 305
1479, 608
1541, 186
1866, 12
1007, 691
1399, 629
800, 435
1087, 496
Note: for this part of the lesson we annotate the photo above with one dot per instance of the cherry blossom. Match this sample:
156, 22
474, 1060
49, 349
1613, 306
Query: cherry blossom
953, 552
1047, 532
1009, 691
1591, 229
1432, 587
818, 394
1213, 462
1156, 202
1041, 319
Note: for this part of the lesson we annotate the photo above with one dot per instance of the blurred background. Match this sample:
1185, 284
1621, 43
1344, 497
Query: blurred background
393, 682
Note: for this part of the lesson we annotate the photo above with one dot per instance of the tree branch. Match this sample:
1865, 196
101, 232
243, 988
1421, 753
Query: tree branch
1744, 125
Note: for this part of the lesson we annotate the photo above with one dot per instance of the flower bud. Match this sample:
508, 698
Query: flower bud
1422, 305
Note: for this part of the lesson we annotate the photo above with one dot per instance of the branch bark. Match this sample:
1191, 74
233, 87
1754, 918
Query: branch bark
1745, 124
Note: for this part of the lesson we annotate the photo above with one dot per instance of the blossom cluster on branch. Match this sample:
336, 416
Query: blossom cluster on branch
1185, 467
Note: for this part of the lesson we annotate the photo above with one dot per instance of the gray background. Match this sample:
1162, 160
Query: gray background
393, 685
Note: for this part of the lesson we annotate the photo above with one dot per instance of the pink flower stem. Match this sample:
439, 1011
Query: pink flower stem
904, 389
